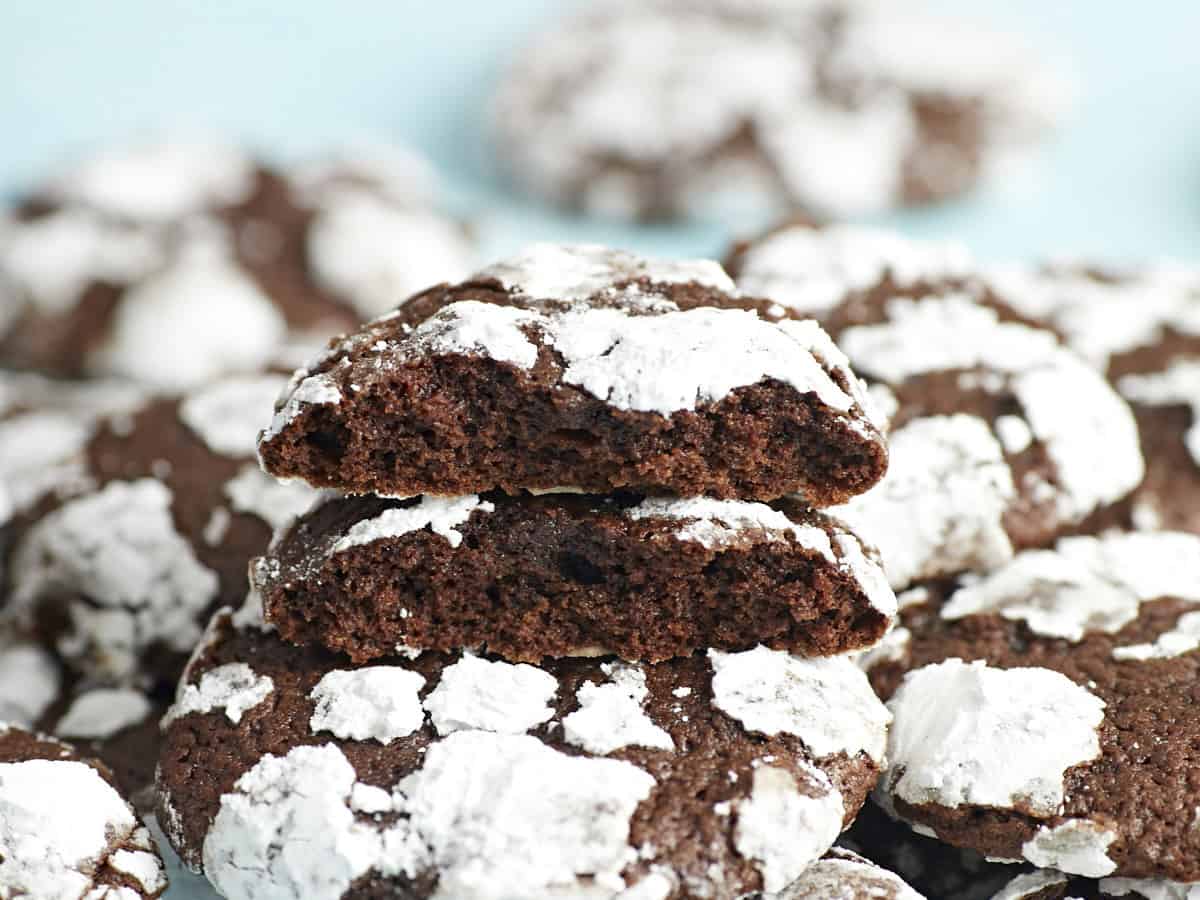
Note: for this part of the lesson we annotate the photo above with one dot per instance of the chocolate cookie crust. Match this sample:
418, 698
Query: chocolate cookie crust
663, 763
1048, 711
559, 575
583, 367
64, 829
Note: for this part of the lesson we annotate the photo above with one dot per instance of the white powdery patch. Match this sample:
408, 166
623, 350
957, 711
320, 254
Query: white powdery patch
1151, 889
1178, 385
228, 414
1030, 884
441, 515
58, 819
30, 680
970, 734
717, 523
375, 253
846, 876
276, 502
51, 261
304, 390
892, 647
810, 270
1183, 638
379, 703
579, 271
1077, 846
223, 321
119, 549
42, 452
142, 866
826, 702
1085, 584
491, 695
785, 828
287, 831
506, 816
611, 715
232, 687
160, 181
940, 507
102, 712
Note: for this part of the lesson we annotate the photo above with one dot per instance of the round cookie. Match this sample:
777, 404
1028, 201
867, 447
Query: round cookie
1002, 438
1142, 328
1048, 711
174, 262
464, 776
120, 577
64, 829
1046, 884
694, 108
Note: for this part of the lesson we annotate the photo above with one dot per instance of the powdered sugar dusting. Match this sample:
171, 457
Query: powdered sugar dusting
119, 549
276, 502
1078, 846
1151, 889
232, 687
307, 390
1030, 884
970, 734
29, 682
442, 515
1177, 385
1086, 584
611, 715
228, 414
100, 713
810, 270
491, 695
718, 523
379, 703
826, 702
1183, 638
845, 876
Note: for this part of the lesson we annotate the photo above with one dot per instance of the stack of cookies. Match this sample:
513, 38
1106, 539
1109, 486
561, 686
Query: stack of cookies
568, 621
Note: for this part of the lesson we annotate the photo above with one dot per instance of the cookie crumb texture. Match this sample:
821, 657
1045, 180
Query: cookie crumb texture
64, 829
467, 776
1048, 712
560, 575
719, 110
585, 367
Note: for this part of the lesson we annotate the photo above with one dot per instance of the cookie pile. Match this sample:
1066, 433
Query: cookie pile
553, 631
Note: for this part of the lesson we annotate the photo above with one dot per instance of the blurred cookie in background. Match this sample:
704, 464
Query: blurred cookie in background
159, 510
1141, 327
174, 262
719, 109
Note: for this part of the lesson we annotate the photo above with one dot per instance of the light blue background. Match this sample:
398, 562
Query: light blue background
1121, 182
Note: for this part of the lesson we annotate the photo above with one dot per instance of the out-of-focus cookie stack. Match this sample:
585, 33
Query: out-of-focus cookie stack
1042, 675
564, 626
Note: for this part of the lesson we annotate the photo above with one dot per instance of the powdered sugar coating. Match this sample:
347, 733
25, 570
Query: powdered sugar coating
276, 502
41, 452
1088, 432
826, 702
1030, 884
29, 681
1085, 584
119, 549
1077, 846
442, 515
158, 181
379, 703
940, 507
579, 271
232, 687
811, 270
1183, 638
230, 325
491, 695
971, 734
784, 826
1150, 889
611, 716
1177, 385
715, 523
842, 875
59, 820
228, 414
103, 712
305, 390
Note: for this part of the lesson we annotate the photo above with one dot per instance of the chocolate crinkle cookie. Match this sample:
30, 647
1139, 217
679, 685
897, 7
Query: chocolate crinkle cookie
173, 262
1002, 438
290, 772
147, 527
583, 367
1141, 327
65, 831
722, 108
1047, 711
1046, 884
566, 575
